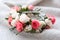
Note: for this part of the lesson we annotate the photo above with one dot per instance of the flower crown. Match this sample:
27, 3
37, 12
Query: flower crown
31, 21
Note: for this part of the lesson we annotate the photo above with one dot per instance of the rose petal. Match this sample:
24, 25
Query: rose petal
30, 7
19, 26
35, 24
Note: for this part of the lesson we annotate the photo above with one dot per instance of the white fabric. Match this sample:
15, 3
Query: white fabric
52, 34
22, 2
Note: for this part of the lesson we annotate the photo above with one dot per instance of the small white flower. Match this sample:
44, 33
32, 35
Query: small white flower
24, 18
28, 28
48, 22
13, 23
24, 6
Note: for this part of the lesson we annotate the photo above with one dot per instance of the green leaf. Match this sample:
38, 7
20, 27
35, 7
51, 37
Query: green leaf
6, 18
12, 28
45, 17
35, 13
13, 18
27, 23
23, 9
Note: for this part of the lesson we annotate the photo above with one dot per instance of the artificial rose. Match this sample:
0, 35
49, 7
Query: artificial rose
48, 22
9, 20
19, 26
16, 8
30, 7
24, 18
52, 18
35, 24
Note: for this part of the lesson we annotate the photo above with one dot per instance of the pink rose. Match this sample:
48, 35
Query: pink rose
30, 7
52, 18
19, 26
35, 24
16, 8
9, 20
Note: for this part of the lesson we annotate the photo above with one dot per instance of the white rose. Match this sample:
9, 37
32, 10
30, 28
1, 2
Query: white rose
48, 22
24, 18
28, 28
13, 23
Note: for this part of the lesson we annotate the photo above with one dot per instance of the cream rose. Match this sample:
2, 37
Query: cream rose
24, 18
48, 22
